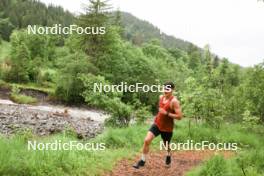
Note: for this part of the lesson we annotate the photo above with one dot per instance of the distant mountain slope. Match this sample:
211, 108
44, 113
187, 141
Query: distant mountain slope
20, 13
139, 31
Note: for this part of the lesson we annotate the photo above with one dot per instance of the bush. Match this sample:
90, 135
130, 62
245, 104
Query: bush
215, 167
47, 75
120, 113
109, 101
249, 121
142, 114
251, 162
69, 85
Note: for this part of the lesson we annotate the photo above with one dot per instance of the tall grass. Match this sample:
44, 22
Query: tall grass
16, 159
249, 160
23, 99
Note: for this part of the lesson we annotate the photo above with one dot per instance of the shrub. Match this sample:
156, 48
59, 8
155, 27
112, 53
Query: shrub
142, 114
249, 121
120, 113
215, 167
47, 75
251, 162
69, 86
109, 101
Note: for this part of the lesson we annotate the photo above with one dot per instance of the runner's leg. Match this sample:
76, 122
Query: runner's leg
151, 134
166, 137
147, 141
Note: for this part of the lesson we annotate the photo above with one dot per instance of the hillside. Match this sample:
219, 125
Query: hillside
139, 31
20, 13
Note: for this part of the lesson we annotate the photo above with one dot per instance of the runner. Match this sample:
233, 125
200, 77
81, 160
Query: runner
169, 109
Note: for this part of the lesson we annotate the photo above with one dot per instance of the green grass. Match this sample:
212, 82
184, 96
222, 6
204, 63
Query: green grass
250, 155
249, 162
23, 99
49, 90
15, 159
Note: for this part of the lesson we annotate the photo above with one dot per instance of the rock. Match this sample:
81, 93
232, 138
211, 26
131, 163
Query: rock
15, 117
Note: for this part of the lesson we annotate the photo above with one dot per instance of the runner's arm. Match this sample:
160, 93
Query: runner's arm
177, 110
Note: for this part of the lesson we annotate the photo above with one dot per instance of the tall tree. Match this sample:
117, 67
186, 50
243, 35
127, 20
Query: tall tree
208, 60
6, 28
96, 15
194, 57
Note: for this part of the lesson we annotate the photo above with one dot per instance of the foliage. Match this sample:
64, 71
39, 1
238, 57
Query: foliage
110, 101
23, 99
21, 13
28, 53
142, 114
120, 113
254, 91
6, 28
69, 86
250, 121
19, 98
215, 167
95, 16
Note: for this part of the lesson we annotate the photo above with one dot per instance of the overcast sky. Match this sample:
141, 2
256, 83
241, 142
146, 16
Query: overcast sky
233, 28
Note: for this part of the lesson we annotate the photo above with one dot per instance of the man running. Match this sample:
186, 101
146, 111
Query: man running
169, 109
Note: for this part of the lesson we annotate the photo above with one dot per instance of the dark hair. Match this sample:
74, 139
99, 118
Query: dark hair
169, 85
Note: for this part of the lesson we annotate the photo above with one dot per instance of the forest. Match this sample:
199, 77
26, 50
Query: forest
221, 101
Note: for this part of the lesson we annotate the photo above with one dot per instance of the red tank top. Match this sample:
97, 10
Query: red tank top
164, 122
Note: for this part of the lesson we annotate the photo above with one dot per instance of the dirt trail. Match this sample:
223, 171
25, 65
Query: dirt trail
182, 162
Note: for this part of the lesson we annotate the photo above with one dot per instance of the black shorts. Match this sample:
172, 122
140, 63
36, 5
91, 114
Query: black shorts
166, 136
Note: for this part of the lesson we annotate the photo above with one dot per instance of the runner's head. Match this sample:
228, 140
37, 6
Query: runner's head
168, 88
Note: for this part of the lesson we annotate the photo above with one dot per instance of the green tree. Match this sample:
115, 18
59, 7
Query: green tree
6, 28
69, 85
31, 52
96, 15
19, 68
208, 60
194, 57
254, 91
